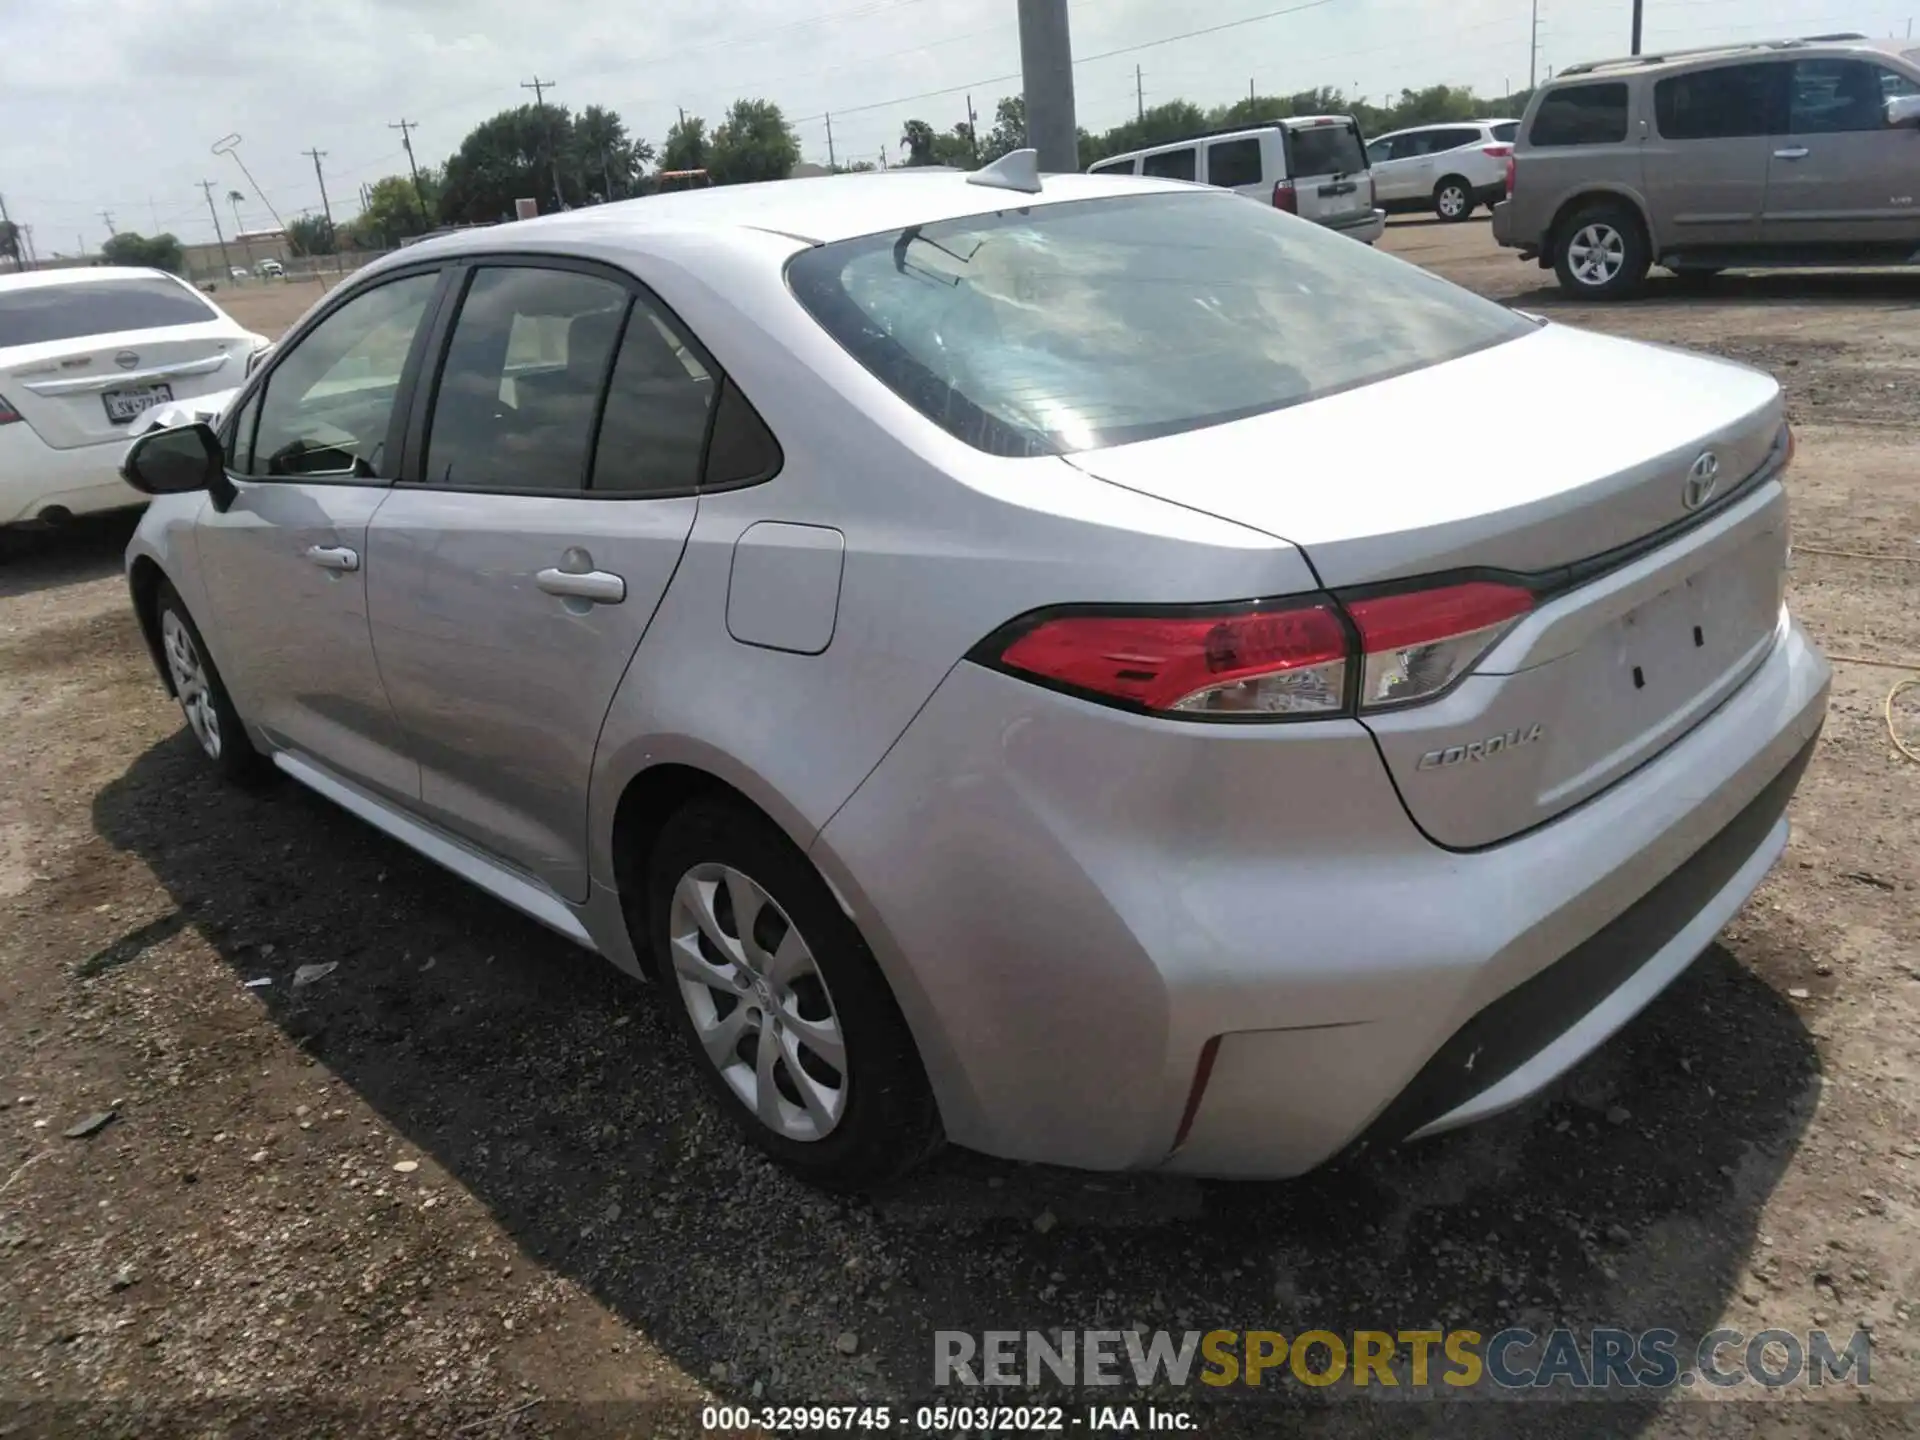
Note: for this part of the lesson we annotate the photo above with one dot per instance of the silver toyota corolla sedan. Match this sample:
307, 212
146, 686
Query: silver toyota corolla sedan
1007, 655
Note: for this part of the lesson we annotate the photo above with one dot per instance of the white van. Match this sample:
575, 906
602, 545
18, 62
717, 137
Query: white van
1314, 166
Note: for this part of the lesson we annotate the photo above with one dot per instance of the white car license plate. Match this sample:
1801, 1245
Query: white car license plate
123, 405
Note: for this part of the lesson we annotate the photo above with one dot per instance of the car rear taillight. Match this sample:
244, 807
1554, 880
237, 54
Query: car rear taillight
1307, 658
9, 415
1262, 660
1498, 152
1286, 198
1418, 642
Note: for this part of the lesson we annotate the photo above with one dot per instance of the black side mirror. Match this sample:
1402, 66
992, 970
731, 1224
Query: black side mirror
176, 461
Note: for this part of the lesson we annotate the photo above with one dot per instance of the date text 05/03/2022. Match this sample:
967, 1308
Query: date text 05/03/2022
956, 1420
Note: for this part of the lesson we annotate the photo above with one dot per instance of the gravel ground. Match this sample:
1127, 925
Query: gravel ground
465, 1184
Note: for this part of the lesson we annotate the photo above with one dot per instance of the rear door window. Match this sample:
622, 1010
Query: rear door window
1171, 164
1234, 162
1327, 150
1581, 115
655, 423
529, 358
38, 314
1453, 139
1728, 102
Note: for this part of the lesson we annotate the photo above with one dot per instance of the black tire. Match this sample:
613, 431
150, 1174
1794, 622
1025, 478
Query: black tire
888, 1123
1453, 200
231, 752
1607, 221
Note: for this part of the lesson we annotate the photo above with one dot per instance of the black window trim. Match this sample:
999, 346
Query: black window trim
463, 268
256, 384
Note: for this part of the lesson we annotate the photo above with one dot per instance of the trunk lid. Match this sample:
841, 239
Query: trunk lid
1328, 166
88, 391
1533, 457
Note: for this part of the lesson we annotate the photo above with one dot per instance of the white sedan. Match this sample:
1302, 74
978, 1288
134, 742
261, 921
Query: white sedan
83, 354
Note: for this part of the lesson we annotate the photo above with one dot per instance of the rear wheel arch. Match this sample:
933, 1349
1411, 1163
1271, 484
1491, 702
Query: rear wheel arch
647, 802
1576, 203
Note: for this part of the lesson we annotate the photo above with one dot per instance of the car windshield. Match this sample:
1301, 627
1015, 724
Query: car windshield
1067, 327
1326, 150
97, 307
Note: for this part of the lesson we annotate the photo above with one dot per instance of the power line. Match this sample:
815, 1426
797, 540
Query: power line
107, 215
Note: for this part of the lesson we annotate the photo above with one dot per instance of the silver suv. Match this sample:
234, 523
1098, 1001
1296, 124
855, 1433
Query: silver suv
1784, 153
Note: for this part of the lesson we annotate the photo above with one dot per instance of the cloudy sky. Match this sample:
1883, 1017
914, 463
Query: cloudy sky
113, 105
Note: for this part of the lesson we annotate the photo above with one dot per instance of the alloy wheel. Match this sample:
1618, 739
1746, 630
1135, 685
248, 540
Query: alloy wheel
1452, 203
1597, 253
191, 682
758, 1001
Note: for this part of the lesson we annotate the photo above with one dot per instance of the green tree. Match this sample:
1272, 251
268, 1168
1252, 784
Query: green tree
311, 235
162, 252
608, 161
956, 147
687, 145
507, 158
754, 142
393, 211
10, 241
916, 138
1009, 131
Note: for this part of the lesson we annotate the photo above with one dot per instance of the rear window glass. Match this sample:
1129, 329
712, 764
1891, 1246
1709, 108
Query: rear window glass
1506, 131
1171, 164
1068, 327
1327, 150
1581, 115
97, 307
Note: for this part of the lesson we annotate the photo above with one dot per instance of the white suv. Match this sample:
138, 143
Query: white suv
1313, 166
1448, 169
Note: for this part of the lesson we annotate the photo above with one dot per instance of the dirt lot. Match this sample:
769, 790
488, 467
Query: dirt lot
465, 1184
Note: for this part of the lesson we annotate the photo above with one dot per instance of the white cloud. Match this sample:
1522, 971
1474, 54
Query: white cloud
112, 104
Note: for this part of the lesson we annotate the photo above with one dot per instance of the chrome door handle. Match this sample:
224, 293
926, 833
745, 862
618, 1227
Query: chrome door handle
1792, 152
334, 557
598, 586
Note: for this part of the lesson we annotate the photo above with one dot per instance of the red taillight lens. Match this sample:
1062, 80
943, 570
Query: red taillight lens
1284, 198
1419, 642
8, 415
1498, 152
1261, 661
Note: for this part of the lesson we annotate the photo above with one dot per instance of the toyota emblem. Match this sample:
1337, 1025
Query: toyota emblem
1702, 480
126, 359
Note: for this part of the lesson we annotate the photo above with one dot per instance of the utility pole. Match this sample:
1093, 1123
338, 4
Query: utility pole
226, 260
33, 256
154, 210
540, 88
832, 164
1252, 94
406, 128
326, 206
1636, 26
107, 215
1533, 49
1139, 93
973, 131
20, 258
1046, 66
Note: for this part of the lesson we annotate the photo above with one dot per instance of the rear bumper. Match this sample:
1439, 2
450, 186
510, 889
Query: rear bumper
1074, 906
1367, 230
35, 479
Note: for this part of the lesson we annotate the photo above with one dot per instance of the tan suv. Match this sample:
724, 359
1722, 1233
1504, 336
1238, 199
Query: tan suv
1783, 153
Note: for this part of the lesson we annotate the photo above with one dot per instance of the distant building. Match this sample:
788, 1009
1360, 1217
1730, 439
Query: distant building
806, 170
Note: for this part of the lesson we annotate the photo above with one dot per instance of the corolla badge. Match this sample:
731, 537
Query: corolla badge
1702, 480
1481, 749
